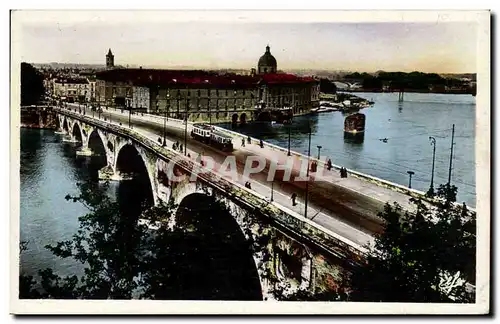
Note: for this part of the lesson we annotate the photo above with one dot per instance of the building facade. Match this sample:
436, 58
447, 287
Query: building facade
208, 96
72, 89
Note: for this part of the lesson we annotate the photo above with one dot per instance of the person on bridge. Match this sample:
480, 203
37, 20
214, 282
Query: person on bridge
329, 165
180, 147
261, 144
294, 197
243, 142
249, 140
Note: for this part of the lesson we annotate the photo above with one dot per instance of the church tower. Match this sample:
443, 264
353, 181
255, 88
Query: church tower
110, 60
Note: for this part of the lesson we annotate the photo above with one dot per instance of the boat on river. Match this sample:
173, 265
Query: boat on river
354, 125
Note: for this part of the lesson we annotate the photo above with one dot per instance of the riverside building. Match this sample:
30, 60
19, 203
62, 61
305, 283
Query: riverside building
207, 96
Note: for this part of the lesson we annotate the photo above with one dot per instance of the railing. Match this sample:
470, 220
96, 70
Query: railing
377, 181
290, 220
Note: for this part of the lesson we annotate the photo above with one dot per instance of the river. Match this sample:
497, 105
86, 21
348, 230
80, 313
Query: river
407, 126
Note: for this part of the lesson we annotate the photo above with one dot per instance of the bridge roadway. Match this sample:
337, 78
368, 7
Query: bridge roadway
346, 206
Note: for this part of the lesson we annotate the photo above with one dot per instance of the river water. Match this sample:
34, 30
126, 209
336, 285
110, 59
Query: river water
216, 266
50, 171
407, 126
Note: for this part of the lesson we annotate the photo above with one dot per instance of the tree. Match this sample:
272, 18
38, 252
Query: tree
126, 259
32, 88
419, 252
327, 86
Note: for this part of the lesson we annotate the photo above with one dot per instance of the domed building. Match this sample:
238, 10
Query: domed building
267, 63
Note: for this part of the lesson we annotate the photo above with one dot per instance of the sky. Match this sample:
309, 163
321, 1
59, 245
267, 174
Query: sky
441, 47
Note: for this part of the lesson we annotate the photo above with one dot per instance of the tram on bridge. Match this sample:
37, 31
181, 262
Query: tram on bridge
207, 135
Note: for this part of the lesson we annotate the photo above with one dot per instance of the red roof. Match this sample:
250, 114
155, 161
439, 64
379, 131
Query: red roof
280, 78
153, 77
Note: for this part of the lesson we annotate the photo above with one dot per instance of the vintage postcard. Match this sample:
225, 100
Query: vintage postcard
250, 162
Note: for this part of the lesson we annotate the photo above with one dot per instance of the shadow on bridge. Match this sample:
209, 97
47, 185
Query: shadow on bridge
216, 261
129, 163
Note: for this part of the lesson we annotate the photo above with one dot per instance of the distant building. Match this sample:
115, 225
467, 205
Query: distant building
71, 89
206, 95
110, 60
267, 63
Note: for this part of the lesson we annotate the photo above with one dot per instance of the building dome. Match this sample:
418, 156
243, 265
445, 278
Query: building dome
267, 62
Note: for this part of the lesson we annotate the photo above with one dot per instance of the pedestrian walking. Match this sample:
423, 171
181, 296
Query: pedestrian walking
294, 197
329, 164
180, 147
261, 144
243, 142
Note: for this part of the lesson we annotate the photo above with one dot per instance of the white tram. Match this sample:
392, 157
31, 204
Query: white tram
207, 135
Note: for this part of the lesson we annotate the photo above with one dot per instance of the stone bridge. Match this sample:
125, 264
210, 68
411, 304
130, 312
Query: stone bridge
300, 253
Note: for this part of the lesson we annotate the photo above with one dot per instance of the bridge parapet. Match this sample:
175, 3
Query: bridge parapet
288, 220
410, 192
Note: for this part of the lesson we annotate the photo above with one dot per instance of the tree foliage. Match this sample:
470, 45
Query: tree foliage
32, 88
127, 259
422, 256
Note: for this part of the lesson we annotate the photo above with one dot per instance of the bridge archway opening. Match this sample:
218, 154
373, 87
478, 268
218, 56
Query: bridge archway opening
65, 125
77, 133
243, 118
234, 119
96, 145
218, 260
137, 186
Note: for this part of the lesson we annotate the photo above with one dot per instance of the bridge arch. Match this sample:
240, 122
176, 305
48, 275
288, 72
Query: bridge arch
234, 118
65, 125
131, 162
223, 257
76, 132
96, 142
243, 118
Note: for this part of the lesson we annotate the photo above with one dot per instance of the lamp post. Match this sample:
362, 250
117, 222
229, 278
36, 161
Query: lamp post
319, 151
411, 173
307, 173
209, 112
164, 128
168, 103
430, 192
129, 114
289, 131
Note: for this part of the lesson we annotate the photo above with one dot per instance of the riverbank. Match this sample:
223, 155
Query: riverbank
37, 126
457, 91
343, 102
